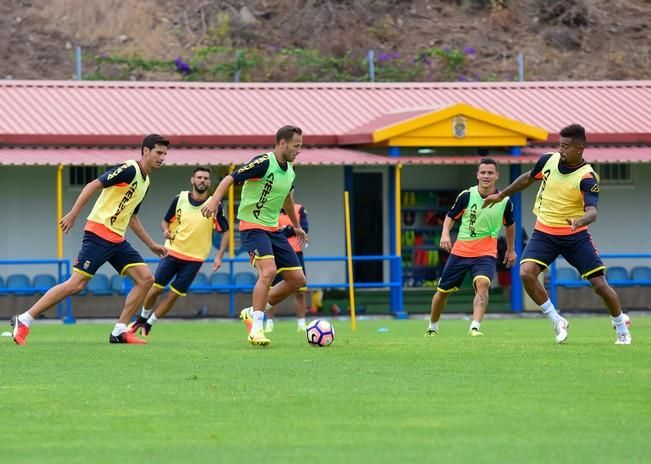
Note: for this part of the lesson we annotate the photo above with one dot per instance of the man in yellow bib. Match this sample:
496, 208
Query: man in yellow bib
123, 190
475, 249
565, 205
268, 181
188, 237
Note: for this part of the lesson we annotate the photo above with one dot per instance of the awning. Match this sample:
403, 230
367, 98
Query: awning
179, 156
614, 154
36, 156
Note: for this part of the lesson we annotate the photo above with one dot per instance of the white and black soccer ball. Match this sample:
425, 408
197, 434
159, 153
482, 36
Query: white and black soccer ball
627, 321
320, 333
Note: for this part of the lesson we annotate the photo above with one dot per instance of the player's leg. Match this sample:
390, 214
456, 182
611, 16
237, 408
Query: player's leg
269, 324
127, 261
287, 263
483, 272
583, 255
541, 250
94, 252
186, 272
300, 298
451, 279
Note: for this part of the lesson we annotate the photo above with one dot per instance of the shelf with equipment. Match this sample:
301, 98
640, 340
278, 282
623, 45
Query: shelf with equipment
423, 213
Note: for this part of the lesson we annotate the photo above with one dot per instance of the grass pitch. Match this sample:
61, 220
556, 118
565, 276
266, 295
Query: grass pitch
199, 393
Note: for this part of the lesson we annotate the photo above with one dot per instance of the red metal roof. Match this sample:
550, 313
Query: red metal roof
38, 156
120, 113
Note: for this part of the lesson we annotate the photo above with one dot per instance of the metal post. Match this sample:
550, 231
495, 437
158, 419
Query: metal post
371, 65
78, 61
395, 264
520, 67
238, 56
516, 286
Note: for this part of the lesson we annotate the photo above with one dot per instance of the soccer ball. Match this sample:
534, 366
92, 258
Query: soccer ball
320, 333
627, 321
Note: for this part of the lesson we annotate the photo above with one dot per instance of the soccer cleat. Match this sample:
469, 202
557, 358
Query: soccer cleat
137, 325
258, 339
247, 318
431, 333
145, 330
300, 329
624, 338
20, 332
127, 337
269, 327
475, 333
560, 327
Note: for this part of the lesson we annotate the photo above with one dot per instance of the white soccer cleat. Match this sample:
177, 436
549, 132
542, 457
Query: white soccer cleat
560, 327
624, 338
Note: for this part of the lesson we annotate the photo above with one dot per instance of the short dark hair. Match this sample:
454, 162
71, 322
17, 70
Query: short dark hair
287, 133
151, 141
201, 168
576, 132
487, 161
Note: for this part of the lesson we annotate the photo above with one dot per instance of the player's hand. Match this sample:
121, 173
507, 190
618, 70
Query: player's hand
158, 250
573, 223
509, 258
490, 200
209, 210
67, 222
301, 236
166, 234
217, 263
446, 243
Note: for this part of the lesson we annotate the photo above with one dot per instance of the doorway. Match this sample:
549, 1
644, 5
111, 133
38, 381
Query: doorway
367, 220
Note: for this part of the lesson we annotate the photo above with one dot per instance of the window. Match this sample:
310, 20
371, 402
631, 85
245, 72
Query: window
81, 175
615, 174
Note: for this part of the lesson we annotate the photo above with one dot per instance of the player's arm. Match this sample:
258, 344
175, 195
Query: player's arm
169, 217
210, 207
519, 184
590, 189
457, 210
509, 222
142, 234
68, 221
288, 205
221, 225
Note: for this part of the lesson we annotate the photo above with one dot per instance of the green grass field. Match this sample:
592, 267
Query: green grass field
199, 393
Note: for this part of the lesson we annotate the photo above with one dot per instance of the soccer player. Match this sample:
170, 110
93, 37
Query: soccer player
299, 297
565, 205
123, 189
188, 242
268, 180
476, 247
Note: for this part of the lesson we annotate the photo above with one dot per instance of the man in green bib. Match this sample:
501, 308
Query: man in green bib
476, 247
268, 180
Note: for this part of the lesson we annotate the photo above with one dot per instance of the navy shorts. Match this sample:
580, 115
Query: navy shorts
457, 266
95, 251
279, 276
185, 272
262, 244
578, 249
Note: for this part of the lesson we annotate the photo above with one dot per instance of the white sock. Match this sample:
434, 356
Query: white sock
152, 319
270, 322
475, 325
549, 310
620, 324
434, 326
301, 322
267, 307
26, 318
145, 312
258, 317
119, 329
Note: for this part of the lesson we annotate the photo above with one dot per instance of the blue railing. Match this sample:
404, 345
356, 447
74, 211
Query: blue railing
554, 282
63, 273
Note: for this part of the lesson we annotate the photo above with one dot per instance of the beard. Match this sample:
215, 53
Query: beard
201, 188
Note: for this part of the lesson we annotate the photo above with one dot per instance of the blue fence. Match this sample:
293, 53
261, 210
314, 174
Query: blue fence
20, 284
220, 282
619, 276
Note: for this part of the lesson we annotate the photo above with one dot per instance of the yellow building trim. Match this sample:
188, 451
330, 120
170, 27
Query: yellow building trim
458, 126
